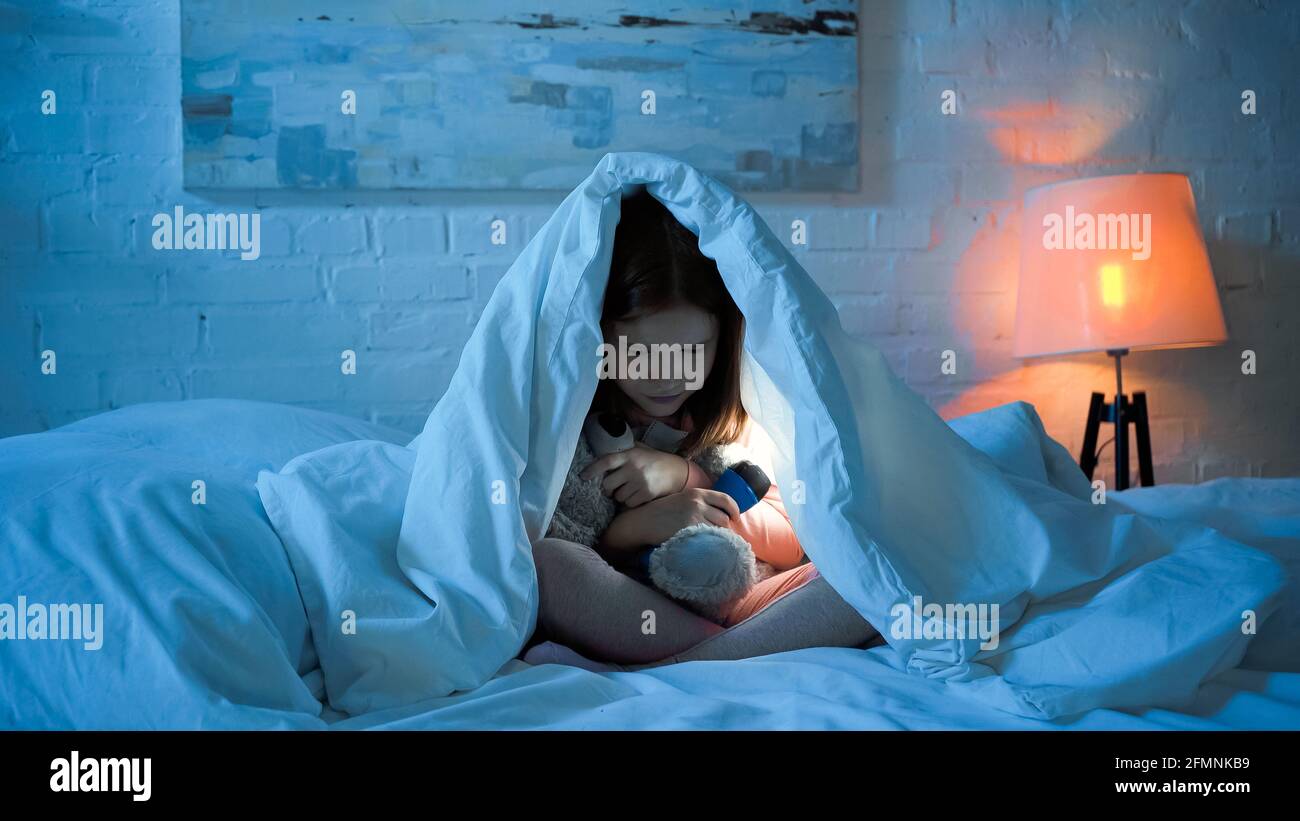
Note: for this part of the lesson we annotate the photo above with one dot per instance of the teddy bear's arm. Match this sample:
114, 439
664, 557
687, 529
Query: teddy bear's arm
582, 512
562, 527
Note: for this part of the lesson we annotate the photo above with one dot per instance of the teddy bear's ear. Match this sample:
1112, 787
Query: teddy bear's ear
606, 433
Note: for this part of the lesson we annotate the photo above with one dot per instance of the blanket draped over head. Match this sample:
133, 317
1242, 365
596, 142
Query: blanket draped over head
425, 550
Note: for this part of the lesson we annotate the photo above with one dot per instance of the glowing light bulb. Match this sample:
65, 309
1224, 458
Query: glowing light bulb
1112, 286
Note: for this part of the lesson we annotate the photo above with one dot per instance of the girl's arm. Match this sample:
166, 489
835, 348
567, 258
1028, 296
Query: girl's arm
766, 525
656, 522
767, 528
696, 476
623, 539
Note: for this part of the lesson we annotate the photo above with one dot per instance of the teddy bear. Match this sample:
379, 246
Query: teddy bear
702, 566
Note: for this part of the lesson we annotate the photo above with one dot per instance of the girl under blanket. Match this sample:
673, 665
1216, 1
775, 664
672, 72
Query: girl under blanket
663, 290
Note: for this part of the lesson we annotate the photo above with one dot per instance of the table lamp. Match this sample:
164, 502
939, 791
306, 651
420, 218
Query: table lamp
1115, 264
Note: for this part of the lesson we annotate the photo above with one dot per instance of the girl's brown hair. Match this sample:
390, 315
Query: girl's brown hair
657, 263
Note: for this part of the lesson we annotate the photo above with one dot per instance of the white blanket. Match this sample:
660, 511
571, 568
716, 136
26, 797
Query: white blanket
1097, 607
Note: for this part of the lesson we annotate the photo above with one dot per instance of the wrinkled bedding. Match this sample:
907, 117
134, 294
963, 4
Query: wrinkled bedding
207, 626
264, 566
1094, 606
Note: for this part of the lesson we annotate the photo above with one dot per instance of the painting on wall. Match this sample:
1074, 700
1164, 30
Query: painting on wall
506, 94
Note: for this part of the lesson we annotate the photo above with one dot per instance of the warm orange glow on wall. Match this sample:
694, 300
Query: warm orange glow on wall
1051, 132
1076, 122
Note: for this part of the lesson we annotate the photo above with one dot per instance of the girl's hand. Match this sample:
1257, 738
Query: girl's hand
639, 475
658, 521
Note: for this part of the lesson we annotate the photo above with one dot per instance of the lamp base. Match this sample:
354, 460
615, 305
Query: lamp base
1135, 413
1119, 413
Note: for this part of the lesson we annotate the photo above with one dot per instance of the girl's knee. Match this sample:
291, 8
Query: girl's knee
565, 573
559, 558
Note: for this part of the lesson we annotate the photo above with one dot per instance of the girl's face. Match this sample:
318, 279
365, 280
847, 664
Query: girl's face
683, 325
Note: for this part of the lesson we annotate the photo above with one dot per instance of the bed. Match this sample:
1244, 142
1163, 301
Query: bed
205, 625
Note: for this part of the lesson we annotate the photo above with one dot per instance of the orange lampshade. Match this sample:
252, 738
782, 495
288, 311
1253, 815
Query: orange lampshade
1112, 263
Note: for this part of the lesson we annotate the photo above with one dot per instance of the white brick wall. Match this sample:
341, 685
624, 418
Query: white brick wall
920, 260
